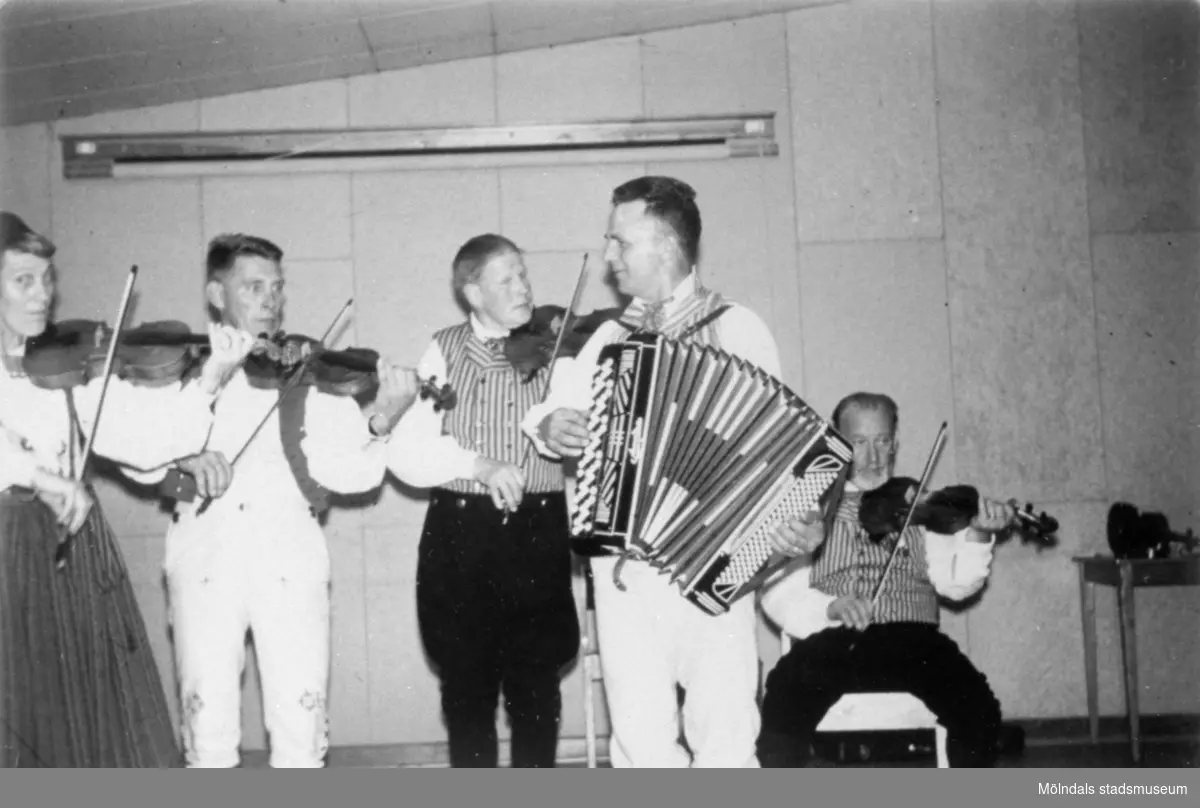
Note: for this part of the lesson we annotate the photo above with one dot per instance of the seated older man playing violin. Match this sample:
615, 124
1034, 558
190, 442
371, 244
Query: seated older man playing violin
851, 642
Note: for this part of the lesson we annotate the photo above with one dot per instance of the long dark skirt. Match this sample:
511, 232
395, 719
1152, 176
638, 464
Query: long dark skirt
79, 686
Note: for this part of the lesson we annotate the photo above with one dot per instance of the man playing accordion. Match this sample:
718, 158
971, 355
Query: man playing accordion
651, 639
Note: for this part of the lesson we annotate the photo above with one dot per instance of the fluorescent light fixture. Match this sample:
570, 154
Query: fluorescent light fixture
419, 162
210, 154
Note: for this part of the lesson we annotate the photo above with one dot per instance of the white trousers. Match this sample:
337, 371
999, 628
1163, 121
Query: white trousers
265, 572
651, 639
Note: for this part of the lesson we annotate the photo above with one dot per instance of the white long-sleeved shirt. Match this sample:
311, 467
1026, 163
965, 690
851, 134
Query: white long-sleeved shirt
141, 428
741, 332
342, 454
957, 567
420, 453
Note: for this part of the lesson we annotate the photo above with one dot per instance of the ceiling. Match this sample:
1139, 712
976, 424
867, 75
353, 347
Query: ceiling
68, 58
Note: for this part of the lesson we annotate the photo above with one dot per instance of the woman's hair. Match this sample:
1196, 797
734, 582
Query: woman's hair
17, 236
473, 256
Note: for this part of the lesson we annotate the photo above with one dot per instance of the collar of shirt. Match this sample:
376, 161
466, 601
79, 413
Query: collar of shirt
483, 333
679, 295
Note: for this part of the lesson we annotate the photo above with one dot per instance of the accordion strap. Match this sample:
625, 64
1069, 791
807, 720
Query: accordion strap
703, 321
616, 575
692, 329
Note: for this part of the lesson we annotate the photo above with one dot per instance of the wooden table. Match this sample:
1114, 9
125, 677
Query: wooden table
1124, 575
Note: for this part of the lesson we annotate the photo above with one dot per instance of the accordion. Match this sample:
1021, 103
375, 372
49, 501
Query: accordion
694, 456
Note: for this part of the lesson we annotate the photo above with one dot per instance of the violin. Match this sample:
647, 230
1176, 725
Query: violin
73, 352
949, 510
530, 347
347, 372
1133, 534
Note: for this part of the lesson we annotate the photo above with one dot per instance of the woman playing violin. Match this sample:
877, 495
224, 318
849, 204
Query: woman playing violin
79, 686
257, 558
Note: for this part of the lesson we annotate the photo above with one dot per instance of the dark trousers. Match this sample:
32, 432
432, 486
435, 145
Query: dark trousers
915, 658
497, 613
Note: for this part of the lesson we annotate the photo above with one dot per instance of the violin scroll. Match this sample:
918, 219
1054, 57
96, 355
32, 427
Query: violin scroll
444, 397
1035, 528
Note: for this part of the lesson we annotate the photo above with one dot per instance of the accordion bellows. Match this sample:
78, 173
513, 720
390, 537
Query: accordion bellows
693, 457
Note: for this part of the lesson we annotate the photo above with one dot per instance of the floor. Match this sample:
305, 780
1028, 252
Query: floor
1105, 755
1157, 754
1175, 751
1114, 755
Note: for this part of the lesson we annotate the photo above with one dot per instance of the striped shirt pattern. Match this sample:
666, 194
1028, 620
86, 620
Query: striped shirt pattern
849, 563
492, 400
693, 309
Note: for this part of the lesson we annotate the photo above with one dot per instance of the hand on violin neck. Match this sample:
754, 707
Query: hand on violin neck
993, 517
230, 347
398, 389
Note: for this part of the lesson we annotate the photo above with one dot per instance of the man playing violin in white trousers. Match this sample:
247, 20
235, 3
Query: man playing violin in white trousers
257, 558
847, 644
651, 638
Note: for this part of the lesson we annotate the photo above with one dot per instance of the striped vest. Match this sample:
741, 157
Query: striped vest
695, 308
849, 563
492, 400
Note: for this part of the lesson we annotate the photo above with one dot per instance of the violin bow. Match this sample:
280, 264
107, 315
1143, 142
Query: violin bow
292, 381
562, 331
930, 463
64, 541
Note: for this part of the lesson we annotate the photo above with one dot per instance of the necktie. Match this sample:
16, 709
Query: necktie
652, 317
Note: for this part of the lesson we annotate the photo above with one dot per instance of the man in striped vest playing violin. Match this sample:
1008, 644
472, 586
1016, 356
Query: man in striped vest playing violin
651, 639
847, 644
494, 599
